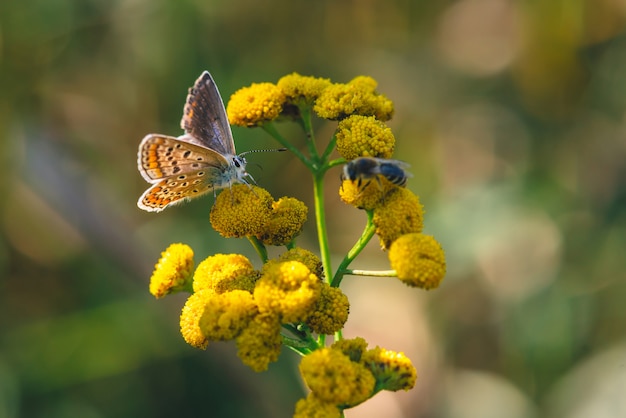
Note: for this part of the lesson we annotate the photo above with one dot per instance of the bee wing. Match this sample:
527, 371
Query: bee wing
402, 165
204, 117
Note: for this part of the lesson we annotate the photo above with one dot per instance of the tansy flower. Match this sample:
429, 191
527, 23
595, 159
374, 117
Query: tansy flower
418, 260
393, 371
306, 257
242, 211
313, 407
172, 273
353, 348
190, 318
223, 272
358, 97
226, 315
366, 193
287, 289
401, 213
333, 378
364, 136
255, 105
331, 311
260, 342
298, 88
286, 221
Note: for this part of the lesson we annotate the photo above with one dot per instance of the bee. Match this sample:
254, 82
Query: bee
364, 169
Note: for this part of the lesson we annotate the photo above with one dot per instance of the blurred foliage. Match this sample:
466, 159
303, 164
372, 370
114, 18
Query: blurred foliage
511, 113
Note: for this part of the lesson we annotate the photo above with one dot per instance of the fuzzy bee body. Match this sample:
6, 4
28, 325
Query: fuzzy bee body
364, 169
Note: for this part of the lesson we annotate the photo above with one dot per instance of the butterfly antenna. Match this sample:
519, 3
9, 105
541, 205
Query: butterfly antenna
263, 150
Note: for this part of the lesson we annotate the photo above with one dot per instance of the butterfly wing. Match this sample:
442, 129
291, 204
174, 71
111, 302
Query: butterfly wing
204, 117
178, 170
162, 156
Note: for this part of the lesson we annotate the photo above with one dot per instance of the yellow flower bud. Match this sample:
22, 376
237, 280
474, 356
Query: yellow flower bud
255, 105
418, 260
173, 271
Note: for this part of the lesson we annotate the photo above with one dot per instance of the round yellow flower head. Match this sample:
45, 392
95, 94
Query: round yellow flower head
331, 312
333, 378
358, 97
364, 136
172, 273
243, 211
313, 407
287, 289
393, 371
299, 88
260, 342
418, 260
353, 348
288, 217
306, 257
376, 105
223, 272
226, 315
255, 105
190, 318
401, 213
366, 194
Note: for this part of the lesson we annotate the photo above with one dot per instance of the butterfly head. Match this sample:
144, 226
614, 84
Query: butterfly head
238, 166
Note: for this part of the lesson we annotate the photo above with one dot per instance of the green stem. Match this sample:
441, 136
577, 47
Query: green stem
329, 148
259, 247
366, 236
333, 163
320, 219
305, 114
270, 128
372, 273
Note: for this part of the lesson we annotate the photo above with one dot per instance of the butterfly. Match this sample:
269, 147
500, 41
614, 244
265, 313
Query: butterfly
364, 169
200, 161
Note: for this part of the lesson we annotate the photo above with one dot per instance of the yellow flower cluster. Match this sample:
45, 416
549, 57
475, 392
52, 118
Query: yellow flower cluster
346, 374
225, 272
313, 407
364, 136
256, 104
418, 260
172, 272
357, 97
335, 379
400, 213
233, 301
251, 211
288, 289
306, 257
227, 315
264, 102
288, 216
366, 194
190, 318
393, 371
331, 312
298, 88
259, 344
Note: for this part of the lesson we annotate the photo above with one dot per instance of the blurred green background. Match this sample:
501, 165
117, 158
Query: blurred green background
511, 114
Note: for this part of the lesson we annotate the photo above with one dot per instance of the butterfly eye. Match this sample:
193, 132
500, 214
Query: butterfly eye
236, 162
